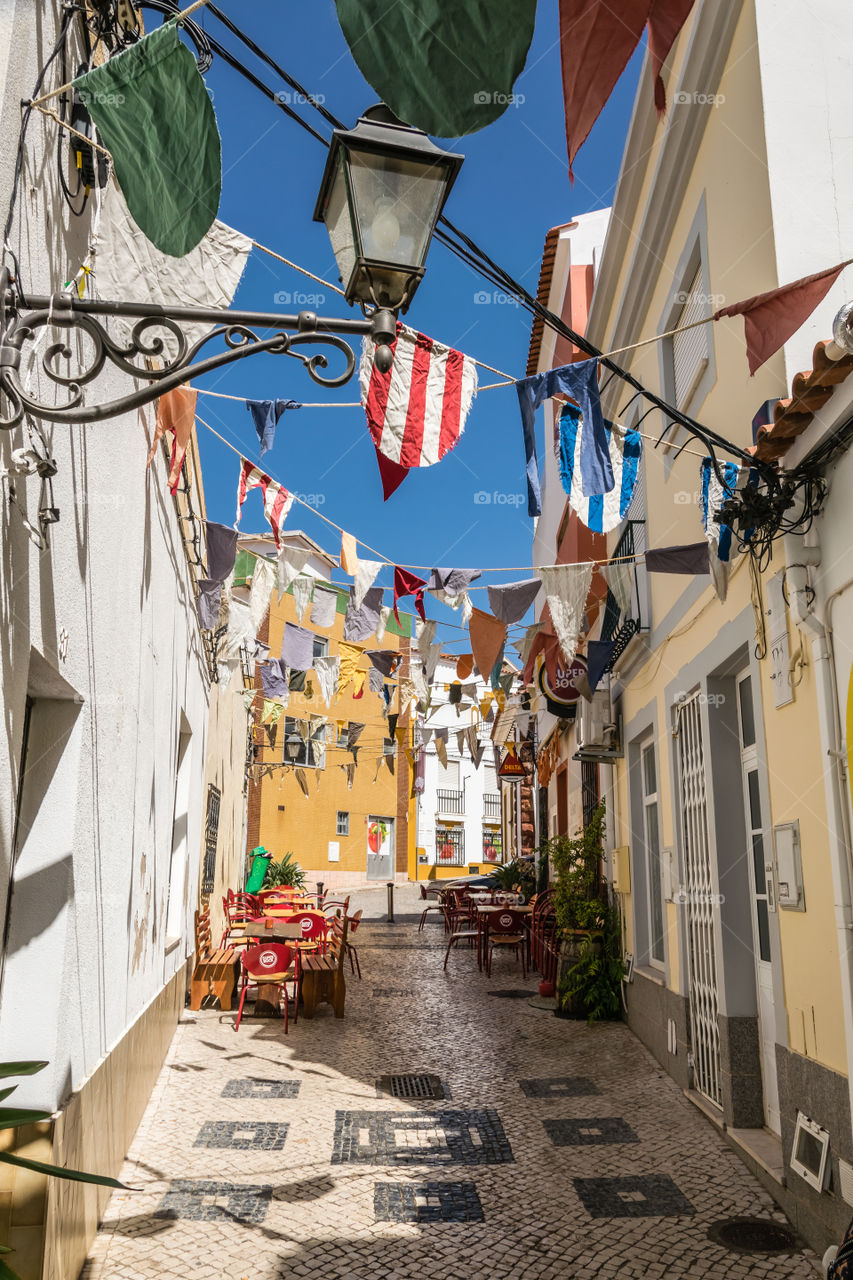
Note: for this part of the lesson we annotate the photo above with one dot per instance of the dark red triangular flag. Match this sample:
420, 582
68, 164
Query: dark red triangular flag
770, 319
666, 18
391, 473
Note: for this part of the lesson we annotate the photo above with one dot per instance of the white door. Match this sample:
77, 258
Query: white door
762, 890
699, 909
380, 848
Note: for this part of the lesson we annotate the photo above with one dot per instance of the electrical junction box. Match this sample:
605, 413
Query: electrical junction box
668, 878
622, 869
789, 866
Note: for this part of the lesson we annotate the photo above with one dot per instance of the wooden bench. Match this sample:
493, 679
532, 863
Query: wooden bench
215, 972
322, 976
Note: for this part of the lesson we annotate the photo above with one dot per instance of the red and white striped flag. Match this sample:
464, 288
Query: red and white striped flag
277, 500
416, 412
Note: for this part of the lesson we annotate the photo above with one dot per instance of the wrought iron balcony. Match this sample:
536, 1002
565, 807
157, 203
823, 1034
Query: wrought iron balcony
492, 806
451, 802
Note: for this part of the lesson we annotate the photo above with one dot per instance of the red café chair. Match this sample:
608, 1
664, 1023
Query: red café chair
239, 908
270, 963
506, 929
314, 926
431, 906
351, 949
459, 921
337, 905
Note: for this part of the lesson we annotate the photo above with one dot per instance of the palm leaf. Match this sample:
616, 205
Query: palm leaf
4, 1093
20, 1068
6, 1273
56, 1171
11, 1117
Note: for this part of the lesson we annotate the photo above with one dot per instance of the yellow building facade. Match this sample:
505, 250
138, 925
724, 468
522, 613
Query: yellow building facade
345, 827
719, 835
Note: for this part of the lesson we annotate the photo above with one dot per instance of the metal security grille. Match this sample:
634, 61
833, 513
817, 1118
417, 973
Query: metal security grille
211, 832
450, 846
701, 950
411, 1086
589, 790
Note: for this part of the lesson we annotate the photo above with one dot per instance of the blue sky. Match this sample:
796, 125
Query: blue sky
512, 187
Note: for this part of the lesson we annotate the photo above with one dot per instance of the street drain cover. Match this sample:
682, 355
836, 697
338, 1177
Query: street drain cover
753, 1235
413, 1085
513, 993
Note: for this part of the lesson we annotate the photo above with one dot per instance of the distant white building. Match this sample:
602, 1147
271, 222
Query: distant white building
459, 811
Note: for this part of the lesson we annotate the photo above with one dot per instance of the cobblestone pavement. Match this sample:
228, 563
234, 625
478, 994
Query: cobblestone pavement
557, 1150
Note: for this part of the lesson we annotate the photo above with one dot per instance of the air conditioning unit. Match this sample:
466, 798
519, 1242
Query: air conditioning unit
597, 732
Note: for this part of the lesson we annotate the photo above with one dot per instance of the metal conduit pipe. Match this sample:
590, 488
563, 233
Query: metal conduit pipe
799, 558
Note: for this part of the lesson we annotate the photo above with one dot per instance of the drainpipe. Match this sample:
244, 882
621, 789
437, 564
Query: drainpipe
799, 559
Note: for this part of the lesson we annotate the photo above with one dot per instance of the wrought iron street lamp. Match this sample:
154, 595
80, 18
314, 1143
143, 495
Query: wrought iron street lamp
383, 190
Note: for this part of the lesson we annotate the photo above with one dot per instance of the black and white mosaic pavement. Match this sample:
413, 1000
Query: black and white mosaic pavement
438, 1137
427, 1202
372, 1186
243, 1135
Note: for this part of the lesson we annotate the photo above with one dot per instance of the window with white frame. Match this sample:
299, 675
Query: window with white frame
690, 351
651, 846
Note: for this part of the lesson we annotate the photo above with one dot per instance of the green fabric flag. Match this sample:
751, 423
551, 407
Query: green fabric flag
260, 861
154, 115
445, 68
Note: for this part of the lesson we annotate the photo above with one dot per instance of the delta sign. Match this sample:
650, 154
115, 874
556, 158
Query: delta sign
563, 695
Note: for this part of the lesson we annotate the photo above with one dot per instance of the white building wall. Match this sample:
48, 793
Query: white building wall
472, 782
101, 629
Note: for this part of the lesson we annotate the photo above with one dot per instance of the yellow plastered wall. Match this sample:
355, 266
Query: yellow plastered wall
304, 826
740, 261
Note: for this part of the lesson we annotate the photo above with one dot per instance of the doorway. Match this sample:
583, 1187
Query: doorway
763, 899
380, 848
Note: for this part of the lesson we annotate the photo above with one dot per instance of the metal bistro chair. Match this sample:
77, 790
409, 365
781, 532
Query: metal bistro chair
431, 906
350, 948
270, 964
459, 922
315, 929
506, 929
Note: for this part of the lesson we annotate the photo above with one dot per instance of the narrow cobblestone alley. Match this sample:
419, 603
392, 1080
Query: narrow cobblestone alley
557, 1150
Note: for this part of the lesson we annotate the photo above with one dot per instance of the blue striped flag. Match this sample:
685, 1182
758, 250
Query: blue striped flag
712, 495
603, 511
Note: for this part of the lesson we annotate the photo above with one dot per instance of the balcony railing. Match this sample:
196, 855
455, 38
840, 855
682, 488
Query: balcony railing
492, 807
450, 846
451, 802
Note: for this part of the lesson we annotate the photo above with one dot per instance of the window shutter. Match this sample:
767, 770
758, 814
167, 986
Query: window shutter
448, 779
690, 350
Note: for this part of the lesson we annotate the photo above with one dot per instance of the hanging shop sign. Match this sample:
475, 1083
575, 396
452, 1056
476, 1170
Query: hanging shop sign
563, 694
511, 767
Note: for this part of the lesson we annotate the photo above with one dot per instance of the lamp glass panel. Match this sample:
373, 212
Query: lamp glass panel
397, 201
339, 223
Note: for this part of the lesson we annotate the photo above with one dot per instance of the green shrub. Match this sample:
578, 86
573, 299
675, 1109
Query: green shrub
286, 871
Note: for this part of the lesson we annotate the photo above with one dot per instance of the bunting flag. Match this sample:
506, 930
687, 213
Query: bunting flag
566, 589
452, 581
416, 411
712, 495
155, 116
600, 512
598, 656
525, 644
274, 678
432, 661
297, 647
384, 660
359, 679
461, 601
272, 712
327, 671
324, 608
365, 576
301, 590
580, 381
375, 680
464, 665
263, 580
692, 558
349, 655
460, 743
391, 474
384, 615
407, 583
176, 414
770, 319
265, 415
277, 500
354, 732
349, 554
240, 630
596, 43
510, 601
425, 634
291, 562
488, 635
441, 747
360, 622
350, 774
619, 577
302, 780
221, 544
209, 602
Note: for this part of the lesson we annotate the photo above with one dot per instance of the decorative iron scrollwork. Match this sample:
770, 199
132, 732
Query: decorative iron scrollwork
157, 351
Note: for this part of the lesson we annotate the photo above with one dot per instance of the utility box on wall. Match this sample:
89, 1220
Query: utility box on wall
789, 866
622, 869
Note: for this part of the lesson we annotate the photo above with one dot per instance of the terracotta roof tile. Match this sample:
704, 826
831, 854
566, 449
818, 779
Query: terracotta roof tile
543, 293
809, 393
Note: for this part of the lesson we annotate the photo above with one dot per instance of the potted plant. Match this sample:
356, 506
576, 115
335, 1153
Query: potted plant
284, 872
591, 967
517, 877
